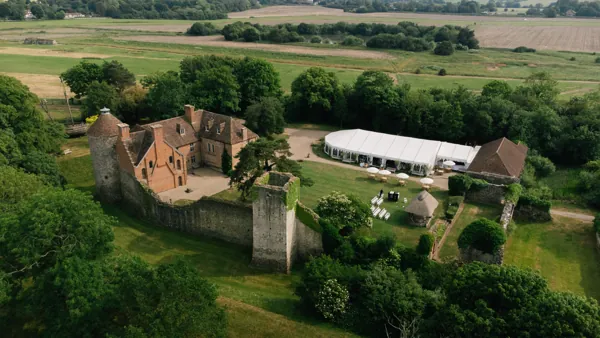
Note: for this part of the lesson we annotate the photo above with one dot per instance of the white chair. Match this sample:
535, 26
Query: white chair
374, 199
376, 212
387, 216
372, 208
379, 201
382, 213
405, 200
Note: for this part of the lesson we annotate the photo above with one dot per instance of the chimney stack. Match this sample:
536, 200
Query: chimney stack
123, 131
192, 117
244, 134
157, 133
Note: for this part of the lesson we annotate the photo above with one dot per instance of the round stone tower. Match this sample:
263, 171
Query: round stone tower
102, 138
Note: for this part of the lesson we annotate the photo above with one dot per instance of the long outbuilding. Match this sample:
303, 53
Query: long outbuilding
417, 156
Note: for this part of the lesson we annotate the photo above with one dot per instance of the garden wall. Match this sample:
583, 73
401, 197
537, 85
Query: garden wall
230, 221
491, 194
507, 213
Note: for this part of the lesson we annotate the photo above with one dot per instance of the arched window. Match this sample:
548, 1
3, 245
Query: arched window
170, 159
144, 173
178, 164
180, 181
151, 164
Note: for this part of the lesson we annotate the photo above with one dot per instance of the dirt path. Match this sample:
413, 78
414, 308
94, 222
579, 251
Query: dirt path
574, 215
219, 41
436, 254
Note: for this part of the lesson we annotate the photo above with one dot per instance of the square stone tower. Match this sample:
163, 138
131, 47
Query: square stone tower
274, 218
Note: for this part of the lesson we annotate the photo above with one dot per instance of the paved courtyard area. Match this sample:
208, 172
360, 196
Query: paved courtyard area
202, 182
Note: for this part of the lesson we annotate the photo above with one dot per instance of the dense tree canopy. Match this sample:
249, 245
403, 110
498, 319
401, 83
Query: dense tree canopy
266, 116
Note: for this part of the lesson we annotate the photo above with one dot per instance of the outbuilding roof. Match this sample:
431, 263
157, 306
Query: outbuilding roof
424, 204
500, 157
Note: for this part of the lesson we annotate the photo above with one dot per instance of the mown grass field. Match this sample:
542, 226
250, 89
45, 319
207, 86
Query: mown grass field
330, 178
470, 213
259, 304
564, 251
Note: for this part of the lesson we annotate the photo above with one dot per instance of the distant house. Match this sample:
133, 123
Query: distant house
29, 15
421, 208
570, 13
500, 161
74, 15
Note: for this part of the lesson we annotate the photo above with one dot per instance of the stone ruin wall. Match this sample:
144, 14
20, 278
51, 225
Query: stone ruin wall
278, 239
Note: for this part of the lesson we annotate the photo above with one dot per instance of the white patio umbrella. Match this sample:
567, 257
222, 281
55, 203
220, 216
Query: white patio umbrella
384, 172
372, 170
402, 176
426, 180
449, 163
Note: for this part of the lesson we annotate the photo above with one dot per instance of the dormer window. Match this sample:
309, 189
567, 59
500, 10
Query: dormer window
181, 131
206, 127
218, 130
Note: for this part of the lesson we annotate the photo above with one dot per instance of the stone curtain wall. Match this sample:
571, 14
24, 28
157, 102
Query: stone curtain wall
495, 179
208, 216
308, 241
507, 213
491, 194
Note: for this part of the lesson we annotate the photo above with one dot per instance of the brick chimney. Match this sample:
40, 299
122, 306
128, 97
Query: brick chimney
157, 134
244, 134
192, 116
123, 131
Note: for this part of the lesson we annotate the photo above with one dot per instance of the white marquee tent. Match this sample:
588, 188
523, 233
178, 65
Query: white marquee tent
417, 155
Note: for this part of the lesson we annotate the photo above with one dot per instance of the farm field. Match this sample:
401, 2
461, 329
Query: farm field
471, 212
564, 251
259, 304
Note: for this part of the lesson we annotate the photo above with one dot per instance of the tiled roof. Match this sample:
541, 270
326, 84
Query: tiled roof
105, 125
229, 128
501, 157
138, 144
171, 131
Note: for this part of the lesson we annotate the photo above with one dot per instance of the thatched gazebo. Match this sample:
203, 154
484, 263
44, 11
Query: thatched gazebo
421, 208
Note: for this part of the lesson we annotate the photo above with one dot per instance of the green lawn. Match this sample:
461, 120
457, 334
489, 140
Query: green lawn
563, 183
470, 213
259, 304
564, 251
330, 178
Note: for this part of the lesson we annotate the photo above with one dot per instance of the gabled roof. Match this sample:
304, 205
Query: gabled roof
424, 204
229, 128
105, 125
171, 132
138, 144
500, 157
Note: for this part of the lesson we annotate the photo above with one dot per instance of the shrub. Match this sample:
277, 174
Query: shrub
572, 58
315, 39
342, 210
202, 29
328, 42
226, 162
529, 200
418, 71
332, 299
461, 47
542, 192
425, 244
352, 40
455, 200
251, 34
458, 185
598, 60
451, 212
484, 235
513, 192
442, 72
479, 184
597, 223
444, 48
542, 165
523, 49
